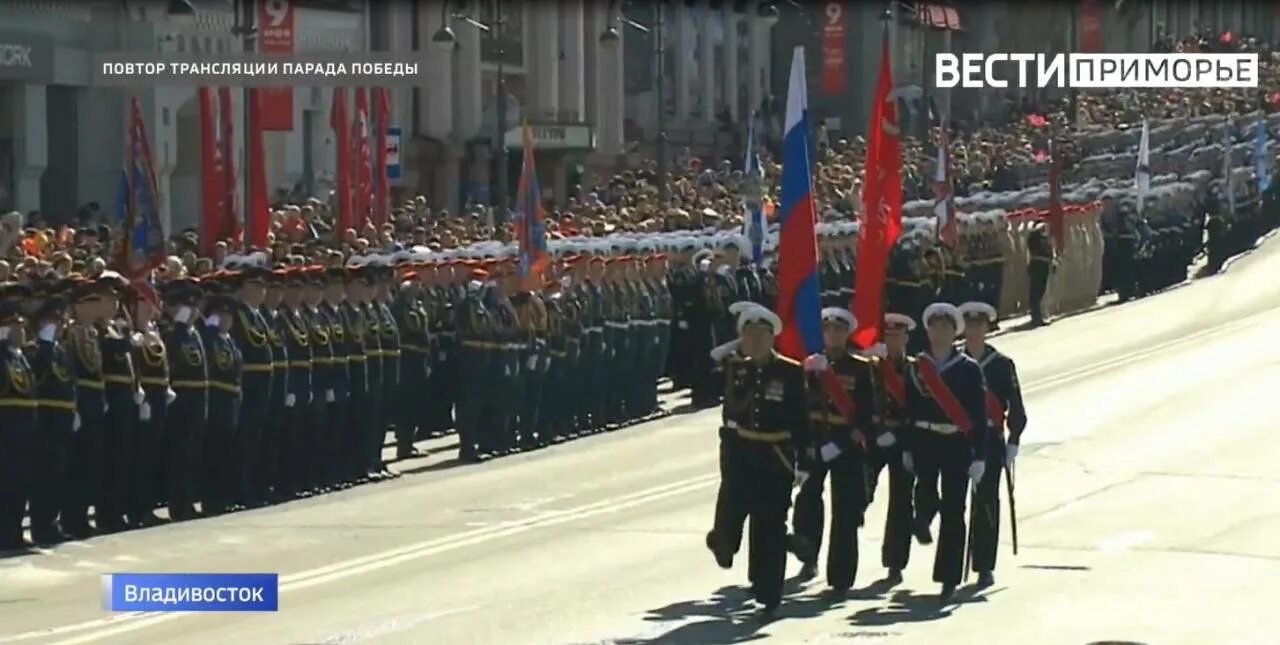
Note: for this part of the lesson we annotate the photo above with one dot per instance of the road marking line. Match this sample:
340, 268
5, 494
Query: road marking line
1125, 541
123, 623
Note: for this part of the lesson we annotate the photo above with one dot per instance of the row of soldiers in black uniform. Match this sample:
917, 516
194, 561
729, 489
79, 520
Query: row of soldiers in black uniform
250, 386
235, 390
936, 421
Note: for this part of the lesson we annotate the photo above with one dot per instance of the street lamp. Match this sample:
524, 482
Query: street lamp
610, 40
244, 27
444, 39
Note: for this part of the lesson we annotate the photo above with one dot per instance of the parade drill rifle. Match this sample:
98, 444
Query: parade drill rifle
1013, 506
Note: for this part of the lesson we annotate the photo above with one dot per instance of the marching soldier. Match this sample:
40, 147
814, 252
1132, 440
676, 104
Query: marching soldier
93, 303
186, 419
840, 422
765, 429
1003, 398
252, 335
656, 269
552, 426
222, 477
891, 366
948, 448
532, 330
152, 364
18, 423
390, 346
56, 388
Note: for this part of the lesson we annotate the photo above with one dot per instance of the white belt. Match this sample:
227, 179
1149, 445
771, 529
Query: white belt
616, 325
594, 330
940, 428
731, 424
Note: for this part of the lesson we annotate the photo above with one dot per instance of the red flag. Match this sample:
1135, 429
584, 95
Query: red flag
881, 206
230, 203
1057, 223
258, 219
364, 173
338, 121
212, 212
383, 110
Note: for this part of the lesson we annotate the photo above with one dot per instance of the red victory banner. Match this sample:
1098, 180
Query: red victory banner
275, 36
1090, 36
833, 45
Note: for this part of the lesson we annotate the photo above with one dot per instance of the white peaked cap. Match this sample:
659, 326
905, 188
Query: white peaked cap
978, 308
900, 319
944, 309
841, 314
753, 313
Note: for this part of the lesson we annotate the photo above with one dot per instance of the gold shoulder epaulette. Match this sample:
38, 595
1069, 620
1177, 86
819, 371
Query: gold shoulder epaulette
789, 361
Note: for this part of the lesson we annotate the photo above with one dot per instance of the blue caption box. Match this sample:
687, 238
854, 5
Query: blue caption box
191, 592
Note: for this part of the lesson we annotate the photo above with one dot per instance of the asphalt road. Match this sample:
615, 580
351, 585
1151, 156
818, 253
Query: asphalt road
1148, 496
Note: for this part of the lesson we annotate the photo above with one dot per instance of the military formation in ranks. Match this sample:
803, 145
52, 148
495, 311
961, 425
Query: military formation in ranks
945, 422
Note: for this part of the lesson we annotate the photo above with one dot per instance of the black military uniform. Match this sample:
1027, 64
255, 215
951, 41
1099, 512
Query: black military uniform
297, 446
274, 436
223, 480
187, 417
1003, 399
886, 452
943, 444
412, 410
765, 427
476, 359
86, 455
507, 397
531, 329
252, 336
340, 386
844, 440
350, 461
392, 403
18, 424
1038, 269
119, 425
328, 380
56, 389
152, 364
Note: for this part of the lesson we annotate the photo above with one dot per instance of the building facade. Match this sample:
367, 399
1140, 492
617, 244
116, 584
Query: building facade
62, 140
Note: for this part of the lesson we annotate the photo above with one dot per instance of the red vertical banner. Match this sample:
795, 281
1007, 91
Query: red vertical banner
258, 220
382, 110
275, 36
342, 170
833, 48
227, 146
364, 159
1090, 36
212, 213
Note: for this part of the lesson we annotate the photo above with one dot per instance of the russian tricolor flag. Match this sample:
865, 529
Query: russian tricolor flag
799, 305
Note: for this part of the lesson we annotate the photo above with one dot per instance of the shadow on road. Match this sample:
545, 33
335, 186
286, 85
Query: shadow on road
15, 553
732, 617
906, 606
1056, 567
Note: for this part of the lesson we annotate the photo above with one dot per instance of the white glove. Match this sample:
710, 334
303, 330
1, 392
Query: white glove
106, 407
976, 470
506, 370
428, 372
290, 400
532, 363
144, 411
1010, 454
908, 463
75, 423
801, 478
169, 395
829, 451
444, 356
139, 396
683, 324
816, 363
886, 439
329, 397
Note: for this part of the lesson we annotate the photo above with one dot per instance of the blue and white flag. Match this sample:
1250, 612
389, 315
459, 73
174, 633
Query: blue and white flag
753, 223
1261, 167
